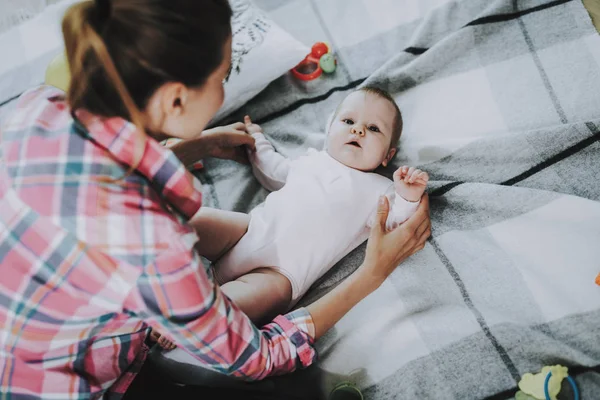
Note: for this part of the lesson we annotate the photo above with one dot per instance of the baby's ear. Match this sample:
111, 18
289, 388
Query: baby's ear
389, 157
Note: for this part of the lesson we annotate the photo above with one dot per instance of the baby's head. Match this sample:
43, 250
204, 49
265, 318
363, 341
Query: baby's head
365, 129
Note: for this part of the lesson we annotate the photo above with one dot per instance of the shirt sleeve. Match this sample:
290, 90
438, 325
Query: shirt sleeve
179, 299
269, 167
168, 143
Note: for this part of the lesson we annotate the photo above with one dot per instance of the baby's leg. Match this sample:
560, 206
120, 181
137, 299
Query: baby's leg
218, 230
261, 294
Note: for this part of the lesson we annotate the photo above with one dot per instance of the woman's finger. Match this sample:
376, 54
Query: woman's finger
240, 126
417, 249
422, 227
426, 235
154, 335
239, 139
420, 244
383, 209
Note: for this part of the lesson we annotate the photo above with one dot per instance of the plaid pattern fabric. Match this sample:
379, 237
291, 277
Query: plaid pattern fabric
89, 262
172, 142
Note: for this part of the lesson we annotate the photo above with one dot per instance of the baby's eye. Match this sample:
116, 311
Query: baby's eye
348, 121
374, 128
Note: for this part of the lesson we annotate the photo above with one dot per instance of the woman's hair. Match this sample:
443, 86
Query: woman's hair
121, 51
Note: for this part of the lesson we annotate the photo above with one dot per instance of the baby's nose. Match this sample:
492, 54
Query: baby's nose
357, 130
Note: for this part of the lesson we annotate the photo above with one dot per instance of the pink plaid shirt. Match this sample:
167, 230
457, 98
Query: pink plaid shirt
88, 264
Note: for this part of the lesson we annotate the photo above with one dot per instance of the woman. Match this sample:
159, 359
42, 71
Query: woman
98, 219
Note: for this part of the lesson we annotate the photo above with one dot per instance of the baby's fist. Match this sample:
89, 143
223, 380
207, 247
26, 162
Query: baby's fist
410, 183
251, 127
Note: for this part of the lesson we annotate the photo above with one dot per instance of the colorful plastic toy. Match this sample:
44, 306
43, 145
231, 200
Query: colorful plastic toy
546, 384
318, 61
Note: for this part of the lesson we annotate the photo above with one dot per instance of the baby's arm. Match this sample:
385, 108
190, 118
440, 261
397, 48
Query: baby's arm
401, 210
269, 167
409, 185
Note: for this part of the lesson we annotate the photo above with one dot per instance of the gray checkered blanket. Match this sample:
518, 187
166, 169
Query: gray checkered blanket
501, 101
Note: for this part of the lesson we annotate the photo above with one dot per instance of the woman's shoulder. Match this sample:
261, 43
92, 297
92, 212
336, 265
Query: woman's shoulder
39, 94
43, 107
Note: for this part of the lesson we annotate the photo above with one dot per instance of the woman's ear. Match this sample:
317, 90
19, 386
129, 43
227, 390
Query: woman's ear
389, 157
174, 98
165, 107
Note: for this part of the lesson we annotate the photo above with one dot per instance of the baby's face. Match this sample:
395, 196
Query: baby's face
361, 132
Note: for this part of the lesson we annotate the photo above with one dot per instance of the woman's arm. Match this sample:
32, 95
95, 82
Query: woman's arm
385, 251
175, 296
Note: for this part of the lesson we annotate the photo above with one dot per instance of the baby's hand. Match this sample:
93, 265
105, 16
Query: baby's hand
410, 183
250, 127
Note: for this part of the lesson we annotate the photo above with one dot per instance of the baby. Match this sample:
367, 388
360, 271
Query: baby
321, 206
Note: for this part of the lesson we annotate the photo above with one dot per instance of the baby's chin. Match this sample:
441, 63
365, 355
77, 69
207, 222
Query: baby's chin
352, 160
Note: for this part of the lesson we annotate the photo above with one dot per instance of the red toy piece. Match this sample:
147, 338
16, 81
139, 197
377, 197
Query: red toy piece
318, 61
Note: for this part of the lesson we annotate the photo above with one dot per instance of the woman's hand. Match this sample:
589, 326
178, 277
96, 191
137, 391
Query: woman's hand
227, 142
387, 249
230, 142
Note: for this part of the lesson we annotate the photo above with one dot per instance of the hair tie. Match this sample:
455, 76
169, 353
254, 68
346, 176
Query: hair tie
103, 9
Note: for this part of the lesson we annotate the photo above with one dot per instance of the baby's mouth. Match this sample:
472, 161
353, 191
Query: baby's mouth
354, 143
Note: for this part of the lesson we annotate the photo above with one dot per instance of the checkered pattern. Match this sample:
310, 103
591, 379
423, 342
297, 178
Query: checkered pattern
172, 142
91, 256
501, 104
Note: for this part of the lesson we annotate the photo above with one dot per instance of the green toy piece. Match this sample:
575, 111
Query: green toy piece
327, 63
533, 385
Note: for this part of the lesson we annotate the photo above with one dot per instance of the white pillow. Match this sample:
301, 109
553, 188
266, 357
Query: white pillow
262, 52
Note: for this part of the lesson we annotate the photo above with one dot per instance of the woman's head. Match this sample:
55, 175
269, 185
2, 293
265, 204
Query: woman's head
157, 63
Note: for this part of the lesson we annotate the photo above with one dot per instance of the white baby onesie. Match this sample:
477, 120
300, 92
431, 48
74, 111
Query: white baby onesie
319, 210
